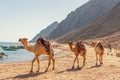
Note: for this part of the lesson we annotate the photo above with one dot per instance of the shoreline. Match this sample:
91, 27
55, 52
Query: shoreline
27, 56
110, 70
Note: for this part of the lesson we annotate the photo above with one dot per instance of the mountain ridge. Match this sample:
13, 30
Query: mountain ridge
107, 25
45, 32
82, 16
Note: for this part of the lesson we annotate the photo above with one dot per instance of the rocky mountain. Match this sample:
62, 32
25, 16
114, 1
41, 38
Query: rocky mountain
45, 32
106, 28
82, 16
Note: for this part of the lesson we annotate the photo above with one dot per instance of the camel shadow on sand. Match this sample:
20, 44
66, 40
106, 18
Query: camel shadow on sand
69, 70
23, 76
96, 66
75, 69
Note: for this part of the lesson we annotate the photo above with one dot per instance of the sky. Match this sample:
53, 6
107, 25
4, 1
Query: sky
26, 18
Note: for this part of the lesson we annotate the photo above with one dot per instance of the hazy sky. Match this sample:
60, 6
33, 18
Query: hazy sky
26, 18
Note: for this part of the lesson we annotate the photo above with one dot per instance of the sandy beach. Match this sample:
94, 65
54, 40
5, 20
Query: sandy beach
110, 70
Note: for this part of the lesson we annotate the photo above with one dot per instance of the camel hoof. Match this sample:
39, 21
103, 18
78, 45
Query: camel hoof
83, 65
78, 67
53, 68
46, 70
96, 64
31, 71
101, 63
72, 67
37, 71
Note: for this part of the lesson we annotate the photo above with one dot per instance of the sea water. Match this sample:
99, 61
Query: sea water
20, 55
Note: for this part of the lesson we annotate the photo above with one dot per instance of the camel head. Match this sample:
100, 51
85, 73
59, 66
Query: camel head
70, 42
93, 43
23, 40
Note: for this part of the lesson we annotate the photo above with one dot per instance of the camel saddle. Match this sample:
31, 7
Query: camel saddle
99, 45
45, 43
81, 45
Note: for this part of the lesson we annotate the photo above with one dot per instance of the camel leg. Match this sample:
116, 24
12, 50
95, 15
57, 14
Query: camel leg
77, 62
96, 59
48, 63
101, 59
32, 64
108, 51
116, 50
53, 62
38, 63
84, 60
74, 62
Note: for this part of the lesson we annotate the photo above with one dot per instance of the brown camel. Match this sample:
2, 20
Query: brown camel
79, 48
38, 49
99, 50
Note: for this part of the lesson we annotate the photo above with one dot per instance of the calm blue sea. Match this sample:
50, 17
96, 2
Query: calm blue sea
20, 55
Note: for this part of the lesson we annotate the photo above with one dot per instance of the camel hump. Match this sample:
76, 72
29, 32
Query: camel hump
45, 43
99, 45
81, 45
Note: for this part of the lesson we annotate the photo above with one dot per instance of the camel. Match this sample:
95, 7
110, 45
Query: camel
77, 49
117, 48
38, 49
110, 47
99, 50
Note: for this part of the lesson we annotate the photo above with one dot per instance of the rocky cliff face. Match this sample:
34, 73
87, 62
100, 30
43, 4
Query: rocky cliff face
45, 32
107, 25
82, 16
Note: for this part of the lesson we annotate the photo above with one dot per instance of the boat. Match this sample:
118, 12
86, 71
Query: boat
9, 49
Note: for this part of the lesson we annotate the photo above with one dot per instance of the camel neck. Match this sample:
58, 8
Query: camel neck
71, 47
26, 46
94, 44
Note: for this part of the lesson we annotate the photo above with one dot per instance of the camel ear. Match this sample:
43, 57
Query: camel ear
19, 40
26, 39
